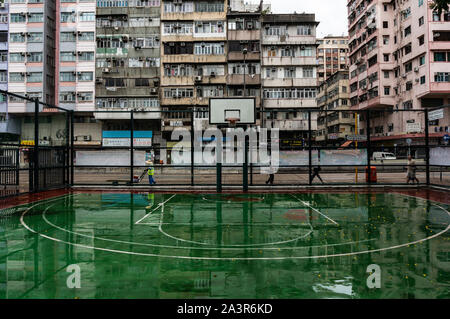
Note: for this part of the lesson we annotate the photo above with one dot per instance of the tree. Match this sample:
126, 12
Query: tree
440, 5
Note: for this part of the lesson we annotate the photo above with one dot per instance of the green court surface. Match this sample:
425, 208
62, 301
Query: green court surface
146, 245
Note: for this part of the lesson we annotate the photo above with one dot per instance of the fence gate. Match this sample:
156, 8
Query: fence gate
9, 170
51, 171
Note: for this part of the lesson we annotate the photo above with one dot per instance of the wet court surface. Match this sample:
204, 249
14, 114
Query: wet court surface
144, 245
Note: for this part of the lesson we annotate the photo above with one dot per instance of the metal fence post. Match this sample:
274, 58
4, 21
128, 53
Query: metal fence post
310, 147
72, 150
132, 147
192, 148
369, 146
36, 147
67, 153
427, 146
245, 168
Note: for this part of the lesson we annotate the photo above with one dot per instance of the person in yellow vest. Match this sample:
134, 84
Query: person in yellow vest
151, 172
151, 201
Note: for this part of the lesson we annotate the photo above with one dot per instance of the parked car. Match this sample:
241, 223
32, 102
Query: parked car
377, 156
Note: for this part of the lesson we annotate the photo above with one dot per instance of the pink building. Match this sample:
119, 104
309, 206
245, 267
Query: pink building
399, 59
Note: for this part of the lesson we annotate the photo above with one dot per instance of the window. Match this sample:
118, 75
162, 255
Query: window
421, 21
289, 73
385, 25
408, 49
67, 97
86, 56
422, 60
408, 67
436, 17
16, 57
67, 77
407, 31
307, 51
421, 40
35, 57
86, 36
209, 27
35, 17
387, 90
385, 39
87, 16
304, 30
440, 56
16, 77
209, 48
409, 86
386, 74
386, 57
17, 18
441, 77
68, 57
422, 80
34, 77
17, 37
85, 96
308, 72
68, 37
67, 17
420, 3
141, 82
290, 93
86, 76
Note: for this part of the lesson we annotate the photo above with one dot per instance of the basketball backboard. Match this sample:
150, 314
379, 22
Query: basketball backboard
222, 110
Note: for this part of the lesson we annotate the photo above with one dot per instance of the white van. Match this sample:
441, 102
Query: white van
377, 156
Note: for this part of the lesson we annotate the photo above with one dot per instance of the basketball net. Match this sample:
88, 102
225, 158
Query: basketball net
232, 121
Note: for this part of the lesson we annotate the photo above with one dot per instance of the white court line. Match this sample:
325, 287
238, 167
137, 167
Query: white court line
317, 211
194, 248
238, 258
253, 245
159, 206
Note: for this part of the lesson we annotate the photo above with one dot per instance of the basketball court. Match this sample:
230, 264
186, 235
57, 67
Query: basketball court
255, 245
218, 229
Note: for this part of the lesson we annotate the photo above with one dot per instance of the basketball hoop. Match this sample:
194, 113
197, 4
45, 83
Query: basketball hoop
232, 121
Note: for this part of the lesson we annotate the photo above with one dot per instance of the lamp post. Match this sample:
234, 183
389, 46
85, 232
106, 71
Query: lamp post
244, 51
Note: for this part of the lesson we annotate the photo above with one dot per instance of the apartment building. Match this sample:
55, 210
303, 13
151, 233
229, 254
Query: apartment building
31, 65
75, 55
244, 50
332, 56
334, 127
193, 60
399, 59
32, 48
4, 26
289, 71
127, 75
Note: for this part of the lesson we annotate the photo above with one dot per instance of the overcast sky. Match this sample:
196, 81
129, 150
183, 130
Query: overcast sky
332, 14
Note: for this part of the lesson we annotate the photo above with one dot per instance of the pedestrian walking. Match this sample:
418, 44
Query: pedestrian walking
151, 173
411, 171
316, 174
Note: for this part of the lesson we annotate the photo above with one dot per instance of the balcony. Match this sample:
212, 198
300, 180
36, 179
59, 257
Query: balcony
190, 58
186, 16
277, 82
186, 101
139, 114
243, 35
239, 56
276, 61
238, 79
290, 125
289, 103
